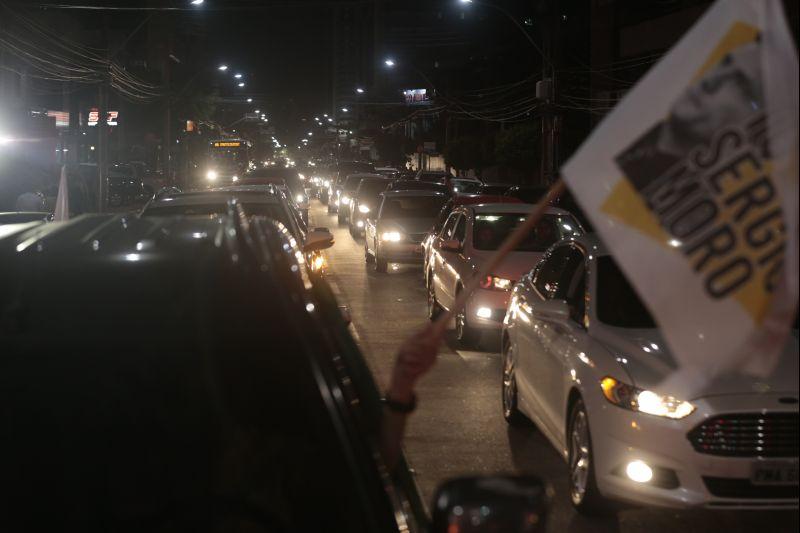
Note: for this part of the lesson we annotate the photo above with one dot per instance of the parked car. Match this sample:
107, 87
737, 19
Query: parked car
466, 241
582, 357
365, 201
396, 231
286, 177
186, 374
344, 169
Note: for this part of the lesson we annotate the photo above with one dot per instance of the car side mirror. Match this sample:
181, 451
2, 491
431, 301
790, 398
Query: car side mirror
555, 310
450, 245
318, 239
488, 504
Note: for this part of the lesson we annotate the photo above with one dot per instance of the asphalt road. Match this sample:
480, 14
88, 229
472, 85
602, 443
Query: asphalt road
458, 428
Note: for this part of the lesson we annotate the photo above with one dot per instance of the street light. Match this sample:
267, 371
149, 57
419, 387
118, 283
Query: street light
223, 68
345, 110
310, 133
237, 76
197, 2
257, 111
241, 84
249, 100
389, 62
359, 90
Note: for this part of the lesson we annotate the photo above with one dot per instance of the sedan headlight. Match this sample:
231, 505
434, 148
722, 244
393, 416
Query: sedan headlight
391, 236
363, 209
644, 401
345, 200
496, 283
299, 198
211, 175
301, 176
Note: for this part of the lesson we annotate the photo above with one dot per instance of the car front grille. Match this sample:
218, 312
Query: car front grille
724, 487
748, 435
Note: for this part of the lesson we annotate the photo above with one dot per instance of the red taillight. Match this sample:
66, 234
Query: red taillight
486, 282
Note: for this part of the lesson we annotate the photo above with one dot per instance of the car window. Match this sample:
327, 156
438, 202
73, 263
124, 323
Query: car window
550, 279
618, 304
490, 230
574, 284
461, 229
412, 206
447, 230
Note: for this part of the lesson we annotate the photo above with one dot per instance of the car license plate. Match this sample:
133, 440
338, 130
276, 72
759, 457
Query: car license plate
774, 473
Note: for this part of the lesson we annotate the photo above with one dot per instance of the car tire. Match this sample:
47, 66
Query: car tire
434, 309
368, 257
583, 490
381, 264
466, 335
511, 411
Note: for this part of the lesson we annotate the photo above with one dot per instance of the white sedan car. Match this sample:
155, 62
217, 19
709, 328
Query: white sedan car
469, 237
581, 357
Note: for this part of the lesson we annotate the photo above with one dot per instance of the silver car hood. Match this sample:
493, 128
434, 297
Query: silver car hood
648, 361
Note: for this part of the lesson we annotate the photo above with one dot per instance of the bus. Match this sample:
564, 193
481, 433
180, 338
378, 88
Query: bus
228, 160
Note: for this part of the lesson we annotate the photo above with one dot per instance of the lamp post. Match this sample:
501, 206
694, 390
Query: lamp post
545, 90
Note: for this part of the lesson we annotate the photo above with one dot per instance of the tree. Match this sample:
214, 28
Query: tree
465, 153
518, 147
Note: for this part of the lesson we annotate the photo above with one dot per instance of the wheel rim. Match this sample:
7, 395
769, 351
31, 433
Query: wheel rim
579, 457
509, 383
460, 325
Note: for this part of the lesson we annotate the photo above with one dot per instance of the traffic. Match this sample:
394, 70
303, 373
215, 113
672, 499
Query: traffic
373, 266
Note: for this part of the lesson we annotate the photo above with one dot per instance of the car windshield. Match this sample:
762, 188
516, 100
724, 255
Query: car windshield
490, 230
412, 206
617, 303
351, 183
185, 422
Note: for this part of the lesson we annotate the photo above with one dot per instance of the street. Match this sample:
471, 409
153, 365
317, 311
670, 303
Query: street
458, 428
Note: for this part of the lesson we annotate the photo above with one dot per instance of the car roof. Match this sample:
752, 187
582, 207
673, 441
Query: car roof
515, 208
471, 199
414, 192
248, 194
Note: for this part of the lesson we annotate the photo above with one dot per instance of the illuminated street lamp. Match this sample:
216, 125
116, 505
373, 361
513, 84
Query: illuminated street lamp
249, 100
257, 111
223, 68
241, 84
310, 133
237, 76
345, 110
197, 2
359, 90
389, 62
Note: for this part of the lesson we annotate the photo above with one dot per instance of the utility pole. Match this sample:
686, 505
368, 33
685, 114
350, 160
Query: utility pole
166, 164
102, 146
546, 91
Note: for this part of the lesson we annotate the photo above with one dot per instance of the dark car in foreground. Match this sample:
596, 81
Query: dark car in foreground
186, 374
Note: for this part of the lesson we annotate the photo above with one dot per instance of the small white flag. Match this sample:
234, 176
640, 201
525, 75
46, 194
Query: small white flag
692, 183
62, 200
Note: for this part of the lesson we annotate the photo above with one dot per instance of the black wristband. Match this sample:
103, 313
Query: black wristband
400, 407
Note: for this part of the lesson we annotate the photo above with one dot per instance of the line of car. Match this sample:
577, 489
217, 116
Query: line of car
582, 358
182, 368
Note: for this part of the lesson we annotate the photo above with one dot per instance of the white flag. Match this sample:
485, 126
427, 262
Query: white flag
62, 200
692, 183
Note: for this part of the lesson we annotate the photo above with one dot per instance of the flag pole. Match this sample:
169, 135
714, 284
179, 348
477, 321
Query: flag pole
513, 240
